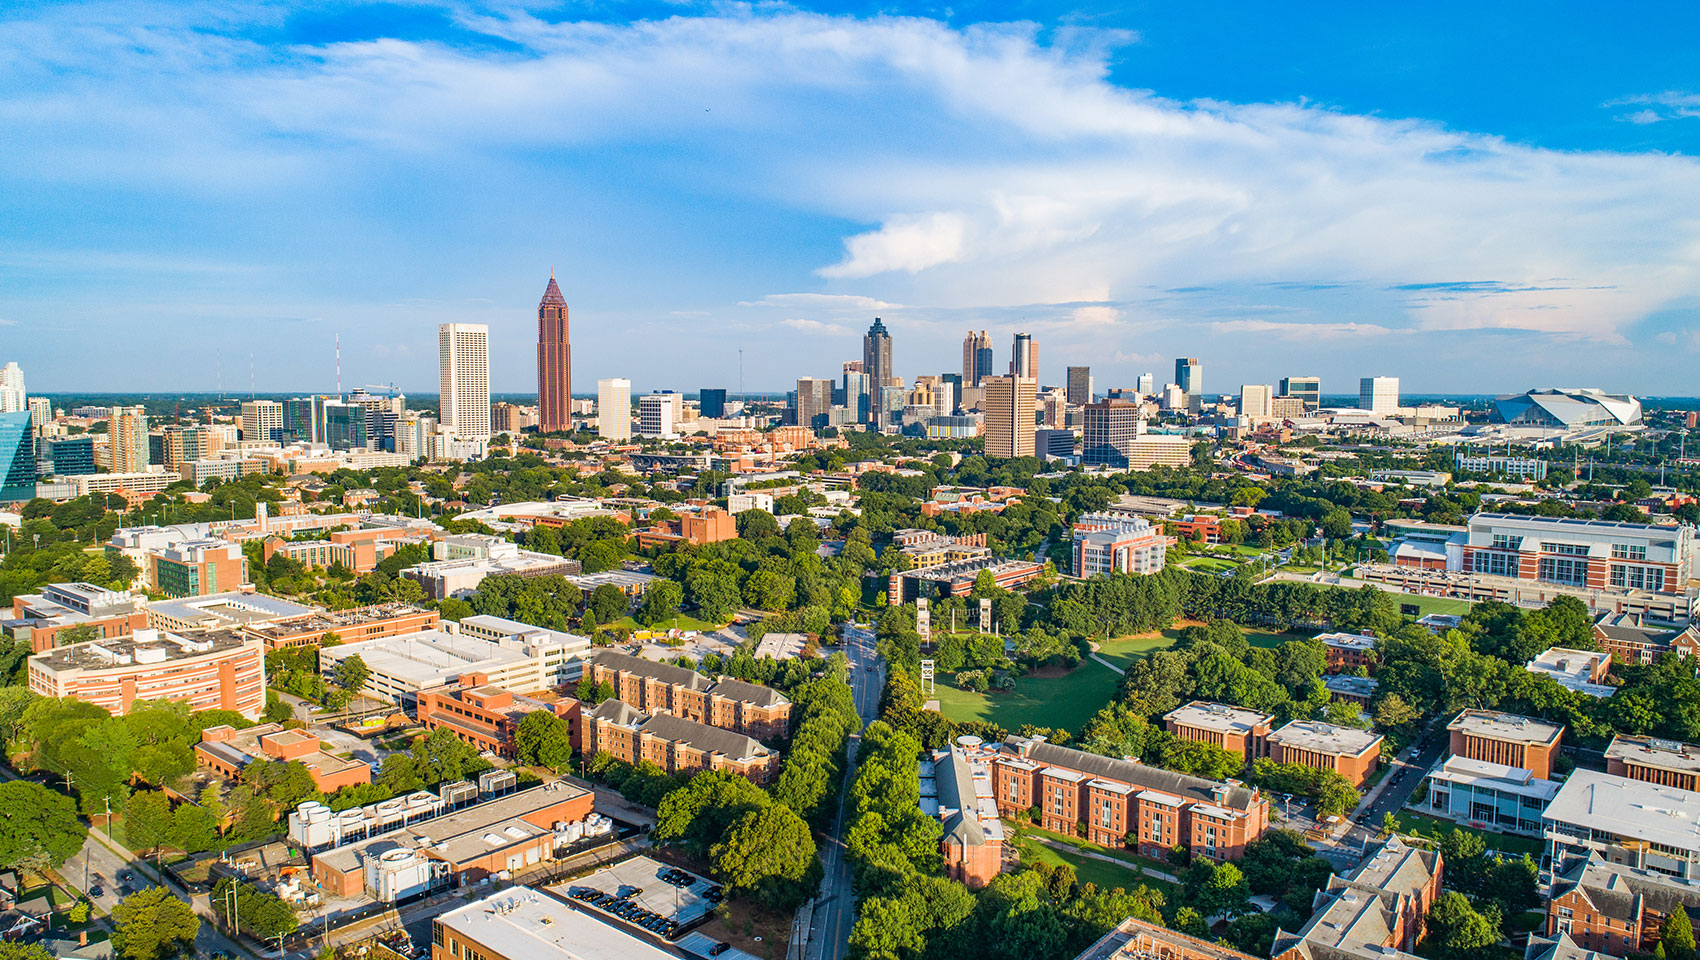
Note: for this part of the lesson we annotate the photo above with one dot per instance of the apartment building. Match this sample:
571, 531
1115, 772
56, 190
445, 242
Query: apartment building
1234, 729
1641, 824
674, 744
1615, 909
227, 751
1664, 762
1124, 802
487, 717
84, 607
208, 671
1348, 651
1630, 639
746, 708
1348, 751
196, 568
1506, 739
349, 626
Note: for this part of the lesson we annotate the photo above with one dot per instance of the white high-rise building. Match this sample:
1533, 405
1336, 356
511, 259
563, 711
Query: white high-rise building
1254, 400
659, 414
614, 408
1379, 394
12, 398
1147, 385
41, 413
262, 420
463, 358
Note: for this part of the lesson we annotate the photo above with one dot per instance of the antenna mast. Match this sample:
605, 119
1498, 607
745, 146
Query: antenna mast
339, 366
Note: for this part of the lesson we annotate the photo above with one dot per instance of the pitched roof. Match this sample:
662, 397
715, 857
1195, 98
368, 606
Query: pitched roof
749, 693
665, 672
1131, 771
704, 737
552, 293
618, 711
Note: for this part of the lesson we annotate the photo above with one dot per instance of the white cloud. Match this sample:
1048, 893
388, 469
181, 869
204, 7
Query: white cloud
837, 302
905, 242
1657, 107
813, 326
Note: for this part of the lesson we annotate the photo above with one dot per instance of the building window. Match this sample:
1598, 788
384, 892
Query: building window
1628, 551
1496, 564
1557, 570
1506, 541
1566, 549
1637, 578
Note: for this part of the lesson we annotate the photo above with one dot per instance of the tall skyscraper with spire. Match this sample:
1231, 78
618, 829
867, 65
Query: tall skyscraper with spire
876, 363
554, 362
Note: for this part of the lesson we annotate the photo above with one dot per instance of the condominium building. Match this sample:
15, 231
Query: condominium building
127, 447
1010, 416
1633, 822
1234, 729
1348, 751
1117, 543
463, 377
1506, 739
197, 568
1379, 395
92, 611
1665, 762
1126, 802
262, 420
674, 744
208, 671
747, 708
17, 457
614, 409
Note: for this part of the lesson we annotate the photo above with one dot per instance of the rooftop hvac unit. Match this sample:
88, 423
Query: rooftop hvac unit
496, 781
458, 792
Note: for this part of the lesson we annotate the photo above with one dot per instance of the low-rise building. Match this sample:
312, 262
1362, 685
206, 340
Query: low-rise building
1625, 821
519, 923
674, 744
208, 671
1348, 651
957, 579
221, 611
1348, 751
1350, 689
956, 787
196, 568
1138, 940
747, 708
349, 626
1234, 729
1377, 910
1485, 795
1583, 671
81, 607
1615, 909
401, 666
228, 751
461, 562
487, 717
707, 525
1665, 762
1630, 639
1506, 739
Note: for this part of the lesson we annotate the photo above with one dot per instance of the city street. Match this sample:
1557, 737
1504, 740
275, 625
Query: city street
835, 908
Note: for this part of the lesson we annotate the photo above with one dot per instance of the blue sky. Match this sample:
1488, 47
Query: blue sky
1474, 200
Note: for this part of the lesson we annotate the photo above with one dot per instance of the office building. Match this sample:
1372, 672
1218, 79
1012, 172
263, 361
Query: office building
345, 425
1487, 795
1308, 389
1146, 385
12, 396
487, 717
1597, 554
674, 744
301, 420
1189, 376
196, 568
876, 355
711, 403
614, 409
463, 376
1024, 357
1506, 739
1124, 802
387, 619
1664, 762
521, 924
40, 617
41, 413
1079, 386
1009, 412
1108, 431
1255, 401
127, 447
1617, 910
658, 415
1633, 822
1379, 395
17, 457
1053, 443
814, 402
262, 420
403, 665
554, 362
228, 751
976, 358
1237, 730
208, 671
747, 708
1553, 409
1117, 543
1348, 751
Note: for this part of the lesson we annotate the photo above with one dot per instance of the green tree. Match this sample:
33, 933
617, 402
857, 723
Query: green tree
661, 602
23, 951
1676, 935
544, 739
36, 823
351, 674
259, 913
769, 853
147, 819
152, 924
608, 603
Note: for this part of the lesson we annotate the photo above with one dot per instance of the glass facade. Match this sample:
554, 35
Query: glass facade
17, 457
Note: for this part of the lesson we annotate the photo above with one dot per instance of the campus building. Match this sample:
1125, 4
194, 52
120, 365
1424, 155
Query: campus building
196, 568
1486, 795
1377, 910
1598, 554
519, 923
350, 626
1633, 822
1126, 802
1583, 671
1117, 543
1664, 762
85, 608
674, 744
487, 717
747, 708
237, 609
956, 787
1506, 739
208, 671
1348, 651
227, 751
1348, 751
401, 666
1138, 940
1630, 639
1615, 909
1234, 729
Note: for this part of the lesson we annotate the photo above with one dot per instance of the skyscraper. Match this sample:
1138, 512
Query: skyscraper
128, 444
1079, 385
976, 358
554, 362
463, 373
12, 389
1379, 394
1009, 406
1308, 389
17, 456
1024, 357
614, 408
41, 412
1189, 376
1147, 385
858, 397
1254, 400
876, 363
814, 402
262, 420
1108, 431
711, 402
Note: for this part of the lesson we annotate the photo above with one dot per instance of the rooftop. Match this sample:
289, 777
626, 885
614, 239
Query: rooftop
1319, 737
1351, 686
1506, 726
1348, 641
428, 657
1218, 716
1137, 940
521, 922
1628, 808
464, 834
331, 621
236, 608
139, 647
1653, 752
1494, 776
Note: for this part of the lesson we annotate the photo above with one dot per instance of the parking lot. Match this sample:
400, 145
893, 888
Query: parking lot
645, 893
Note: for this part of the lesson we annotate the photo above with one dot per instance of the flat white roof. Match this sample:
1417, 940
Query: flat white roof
1653, 752
1493, 776
1505, 726
427, 657
1217, 716
1347, 641
1628, 808
522, 922
1320, 737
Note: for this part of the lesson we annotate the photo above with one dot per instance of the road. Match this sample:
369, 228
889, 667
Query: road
835, 908
1403, 776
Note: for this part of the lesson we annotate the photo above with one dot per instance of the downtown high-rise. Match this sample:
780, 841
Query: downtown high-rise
614, 408
1024, 357
876, 363
463, 369
1010, 407
554, 362
976, 358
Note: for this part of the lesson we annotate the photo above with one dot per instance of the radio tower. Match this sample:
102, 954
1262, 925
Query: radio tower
339, 366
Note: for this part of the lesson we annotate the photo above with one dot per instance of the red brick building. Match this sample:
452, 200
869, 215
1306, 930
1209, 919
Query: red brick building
673, 743
487, 717
1379, 909
1616, 909
1508, 739
209, 671
1349, 651
1665, 762
1348, 751
1234, 729
227, 751
350, 626
1629, 640
747, 708
1126, 802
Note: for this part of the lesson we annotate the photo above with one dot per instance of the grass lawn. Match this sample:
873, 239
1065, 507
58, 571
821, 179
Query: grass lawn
1209, 564
681, 622
1122, 651
1066, 701
1426, 826
1430, 605
1087, 869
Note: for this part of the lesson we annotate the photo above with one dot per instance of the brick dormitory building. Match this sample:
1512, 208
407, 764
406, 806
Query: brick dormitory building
675, 744
747, 708
1616, 909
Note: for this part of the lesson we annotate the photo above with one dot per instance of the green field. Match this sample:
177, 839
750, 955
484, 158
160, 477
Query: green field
1087, 869
1430, 605
1209, 564
1122, 651
1066, 701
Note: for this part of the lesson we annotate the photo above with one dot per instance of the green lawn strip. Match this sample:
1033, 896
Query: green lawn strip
681, 622
1425, 826
1122, 651
1088, 869
1068, 701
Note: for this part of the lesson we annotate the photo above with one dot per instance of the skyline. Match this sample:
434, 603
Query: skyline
704, 178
